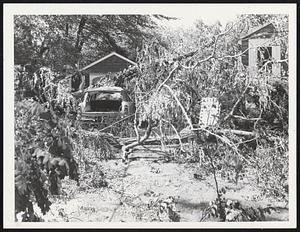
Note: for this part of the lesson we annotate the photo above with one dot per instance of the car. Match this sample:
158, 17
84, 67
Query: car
104, 105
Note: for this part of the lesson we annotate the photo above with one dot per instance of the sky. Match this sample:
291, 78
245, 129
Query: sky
209, 13
187, 17
183, 21
208, 18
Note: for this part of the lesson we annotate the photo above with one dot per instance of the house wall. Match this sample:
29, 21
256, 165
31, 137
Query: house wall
112, 64
276, 54
259, 38
253, 45
93, 76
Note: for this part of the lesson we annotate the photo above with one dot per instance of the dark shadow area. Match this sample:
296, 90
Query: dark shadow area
274, 219
181, 203
280, 214
105, 105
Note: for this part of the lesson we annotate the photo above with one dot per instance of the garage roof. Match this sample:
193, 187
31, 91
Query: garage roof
106, 57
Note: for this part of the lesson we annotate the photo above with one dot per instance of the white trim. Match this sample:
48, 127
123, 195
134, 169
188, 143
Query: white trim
105, 57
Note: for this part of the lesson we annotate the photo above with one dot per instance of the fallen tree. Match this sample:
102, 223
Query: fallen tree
184, 138
253, 115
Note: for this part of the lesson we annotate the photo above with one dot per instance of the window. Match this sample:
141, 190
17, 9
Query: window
264, 55
105, 101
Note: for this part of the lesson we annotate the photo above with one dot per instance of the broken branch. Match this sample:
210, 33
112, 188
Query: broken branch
180, 105
237, 102
170, 75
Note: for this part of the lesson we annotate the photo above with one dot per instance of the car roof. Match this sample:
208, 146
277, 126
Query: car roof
104, 89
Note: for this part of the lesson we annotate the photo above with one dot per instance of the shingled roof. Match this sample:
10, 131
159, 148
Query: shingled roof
258, 29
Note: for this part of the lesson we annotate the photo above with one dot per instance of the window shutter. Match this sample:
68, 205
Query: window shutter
252, 60
276, 56
245, 56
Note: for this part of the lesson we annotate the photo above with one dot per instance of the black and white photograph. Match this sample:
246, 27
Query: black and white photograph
152, 115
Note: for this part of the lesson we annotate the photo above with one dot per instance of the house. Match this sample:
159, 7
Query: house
100, 70
259, 50
110, 64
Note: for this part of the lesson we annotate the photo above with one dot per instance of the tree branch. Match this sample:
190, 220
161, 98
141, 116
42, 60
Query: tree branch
179, 138
222, 138
82, 22
181, 106
236, 103
243, 118
238, 132
136, 127
214, 174
169, 76
126, 148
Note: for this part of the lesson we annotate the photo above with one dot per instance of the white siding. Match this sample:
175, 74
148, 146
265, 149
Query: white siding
252, 60
253, 45
276, 56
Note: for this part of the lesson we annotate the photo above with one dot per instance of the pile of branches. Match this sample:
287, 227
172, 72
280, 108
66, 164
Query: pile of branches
91, 147
252, 130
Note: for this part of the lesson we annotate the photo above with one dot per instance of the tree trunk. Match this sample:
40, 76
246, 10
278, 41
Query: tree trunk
79, 43
126, 148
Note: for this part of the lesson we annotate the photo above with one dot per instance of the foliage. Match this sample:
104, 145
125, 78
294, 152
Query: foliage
48, 139
43, 151
90, 147
98, 178
167, 210
162, 209
58, 40
272, 167
233, 211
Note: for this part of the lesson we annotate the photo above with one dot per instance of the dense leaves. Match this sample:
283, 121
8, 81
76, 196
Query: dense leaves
43, 150
233, 211
76, 40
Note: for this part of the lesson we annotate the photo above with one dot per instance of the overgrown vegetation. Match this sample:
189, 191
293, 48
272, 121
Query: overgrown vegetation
168, 84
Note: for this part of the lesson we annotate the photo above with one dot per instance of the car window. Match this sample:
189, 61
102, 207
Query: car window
102, 96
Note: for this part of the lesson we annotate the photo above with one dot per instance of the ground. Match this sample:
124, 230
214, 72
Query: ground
133, 190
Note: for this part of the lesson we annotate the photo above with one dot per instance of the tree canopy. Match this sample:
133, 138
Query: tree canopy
76, 40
